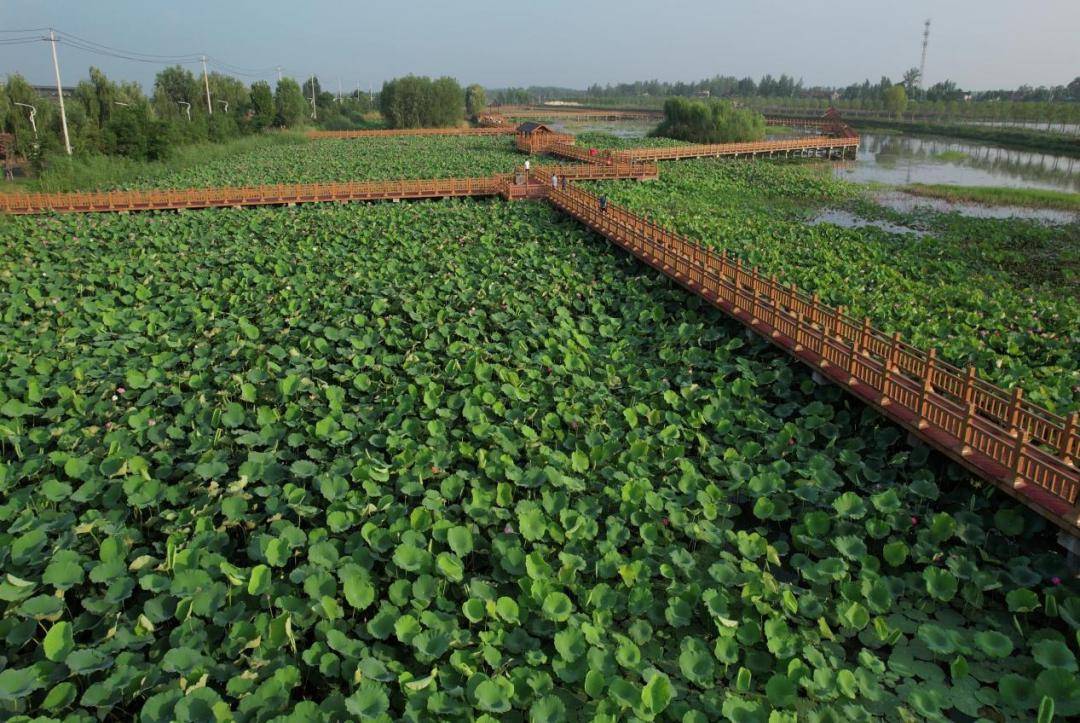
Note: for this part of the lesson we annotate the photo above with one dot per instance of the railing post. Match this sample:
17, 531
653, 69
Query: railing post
835, 330
853, 354
1018, 455
965, 429
774, 299
890, 368
735, 298
968, 392
1014, 408
754, 279
1070, 443
927, 387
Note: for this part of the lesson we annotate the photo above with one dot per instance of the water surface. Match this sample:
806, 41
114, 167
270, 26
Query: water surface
898, 159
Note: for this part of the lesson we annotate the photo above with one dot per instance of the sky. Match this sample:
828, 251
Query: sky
980, 44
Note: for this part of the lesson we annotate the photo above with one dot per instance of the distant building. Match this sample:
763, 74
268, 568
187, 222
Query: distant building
49, 91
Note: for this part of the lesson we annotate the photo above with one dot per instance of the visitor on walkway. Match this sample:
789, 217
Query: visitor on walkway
603, 204
592, 151
554, 181
526, 172
564, 183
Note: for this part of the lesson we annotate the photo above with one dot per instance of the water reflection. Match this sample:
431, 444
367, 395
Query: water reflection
899, 159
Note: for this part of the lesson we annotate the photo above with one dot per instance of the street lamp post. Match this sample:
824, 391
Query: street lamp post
33, 115
224, 103
187, 107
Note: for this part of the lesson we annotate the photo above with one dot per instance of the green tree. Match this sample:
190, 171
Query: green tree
896, 99
447, 103
419, 102
475, 100
261, 102
911, 80
289, 103
713, 121
174, 86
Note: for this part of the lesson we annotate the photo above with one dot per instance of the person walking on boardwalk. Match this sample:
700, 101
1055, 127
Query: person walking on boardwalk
526, 171
603, 204
563, 183
554, 181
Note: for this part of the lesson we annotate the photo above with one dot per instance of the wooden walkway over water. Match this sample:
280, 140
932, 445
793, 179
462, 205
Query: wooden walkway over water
297, 193
403, 132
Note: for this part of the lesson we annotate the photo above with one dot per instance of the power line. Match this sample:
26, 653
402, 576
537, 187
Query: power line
109, 48
93, 47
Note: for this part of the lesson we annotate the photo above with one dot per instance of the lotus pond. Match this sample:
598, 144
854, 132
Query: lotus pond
463, 460
369, 159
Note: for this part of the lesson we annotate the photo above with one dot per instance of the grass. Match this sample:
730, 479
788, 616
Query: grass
999, 195
89, 172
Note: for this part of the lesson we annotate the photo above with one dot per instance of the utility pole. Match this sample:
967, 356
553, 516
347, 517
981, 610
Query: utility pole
314, 109
206, 82
60, 93
278, 73
339, 89
922, 63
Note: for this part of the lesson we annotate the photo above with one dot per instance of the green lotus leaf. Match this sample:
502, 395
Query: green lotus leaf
59, 642
369, 700
1053, 654
557, 606
940, 584
994, 643
494, 695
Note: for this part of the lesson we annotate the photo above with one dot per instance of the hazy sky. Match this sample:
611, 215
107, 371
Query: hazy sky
978, 43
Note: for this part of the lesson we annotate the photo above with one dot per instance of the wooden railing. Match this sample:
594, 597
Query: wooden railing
281, 194
601, 172
1021, 447
394, 132
752, 148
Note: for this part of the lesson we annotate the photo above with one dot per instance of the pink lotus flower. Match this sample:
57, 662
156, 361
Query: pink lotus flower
665, 522
120, 390
509, 529
1055, 580
914, 520
150, 422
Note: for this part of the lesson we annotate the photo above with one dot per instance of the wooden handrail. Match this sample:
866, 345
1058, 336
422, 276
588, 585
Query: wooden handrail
82, 202
1029, 453
397, 132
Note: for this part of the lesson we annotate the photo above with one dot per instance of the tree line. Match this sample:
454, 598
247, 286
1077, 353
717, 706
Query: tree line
118, 118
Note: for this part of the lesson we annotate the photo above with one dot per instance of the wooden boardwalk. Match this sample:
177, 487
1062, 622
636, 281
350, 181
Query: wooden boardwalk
290, 194
269, 195
403, 132
823, 146
1021, 448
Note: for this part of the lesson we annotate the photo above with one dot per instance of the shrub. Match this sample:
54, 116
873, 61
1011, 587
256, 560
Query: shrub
714, 121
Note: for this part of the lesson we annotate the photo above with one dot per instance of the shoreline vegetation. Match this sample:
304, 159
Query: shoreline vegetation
998, 195
94, 171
